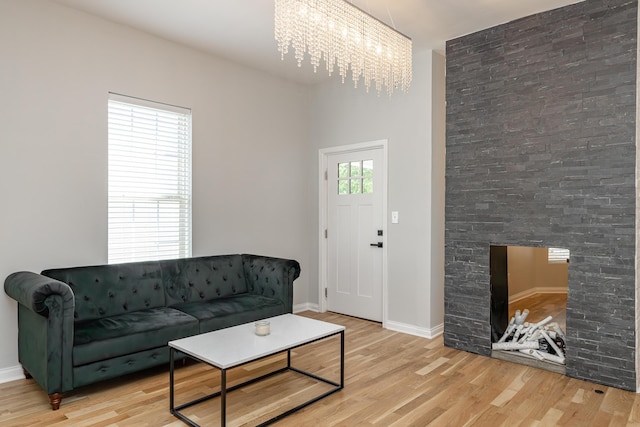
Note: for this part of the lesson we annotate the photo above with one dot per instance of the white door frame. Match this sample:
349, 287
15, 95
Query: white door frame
323, 156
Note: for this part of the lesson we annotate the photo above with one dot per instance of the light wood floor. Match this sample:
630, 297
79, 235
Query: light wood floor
542, 305
392, 379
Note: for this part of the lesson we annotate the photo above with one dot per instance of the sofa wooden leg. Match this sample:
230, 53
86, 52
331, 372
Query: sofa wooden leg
27, 375
54, 400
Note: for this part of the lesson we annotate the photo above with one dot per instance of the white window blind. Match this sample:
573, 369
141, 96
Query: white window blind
555, 255
149, 180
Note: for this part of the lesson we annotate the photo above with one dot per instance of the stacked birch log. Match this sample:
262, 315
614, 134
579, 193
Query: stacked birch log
543, 340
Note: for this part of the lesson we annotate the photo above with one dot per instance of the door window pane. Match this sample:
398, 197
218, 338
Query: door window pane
356, 169
367, 185
343, 170
367, 168
355, 186
343, 186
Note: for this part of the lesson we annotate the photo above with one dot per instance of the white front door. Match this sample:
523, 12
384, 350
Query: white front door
355, 233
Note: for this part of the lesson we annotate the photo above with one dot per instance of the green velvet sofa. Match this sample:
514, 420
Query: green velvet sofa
82, 325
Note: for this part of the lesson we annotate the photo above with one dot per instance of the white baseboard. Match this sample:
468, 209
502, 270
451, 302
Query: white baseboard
537, 290
393, 326
415, 330
307, 306
11, 374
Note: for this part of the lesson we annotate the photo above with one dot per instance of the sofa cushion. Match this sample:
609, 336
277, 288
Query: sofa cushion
114, 336
202, 279
231, 311
110, 290
117, 366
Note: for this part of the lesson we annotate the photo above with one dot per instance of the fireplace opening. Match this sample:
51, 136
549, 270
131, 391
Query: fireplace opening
528, 305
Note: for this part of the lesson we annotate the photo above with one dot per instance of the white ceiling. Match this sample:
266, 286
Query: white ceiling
242, 30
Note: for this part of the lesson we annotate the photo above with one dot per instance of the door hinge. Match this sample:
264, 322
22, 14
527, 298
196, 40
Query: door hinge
326, 293
326, 175
326, 233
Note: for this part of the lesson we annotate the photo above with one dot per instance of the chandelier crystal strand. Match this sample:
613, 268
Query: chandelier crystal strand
342, 35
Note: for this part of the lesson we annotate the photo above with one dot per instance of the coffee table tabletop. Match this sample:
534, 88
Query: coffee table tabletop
229, 347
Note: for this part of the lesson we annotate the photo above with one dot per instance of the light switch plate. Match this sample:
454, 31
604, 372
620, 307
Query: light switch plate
394, 217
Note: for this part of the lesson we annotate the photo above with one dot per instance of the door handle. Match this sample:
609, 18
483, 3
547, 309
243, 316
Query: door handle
377, 245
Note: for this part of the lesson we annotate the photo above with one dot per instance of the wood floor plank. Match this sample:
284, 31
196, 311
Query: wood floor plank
391, 379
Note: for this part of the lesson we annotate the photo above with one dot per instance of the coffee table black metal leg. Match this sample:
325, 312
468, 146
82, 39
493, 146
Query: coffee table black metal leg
223, 397
342, 359
171, 357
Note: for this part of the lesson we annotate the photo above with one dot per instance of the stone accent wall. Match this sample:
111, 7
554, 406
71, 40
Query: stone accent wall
541, 116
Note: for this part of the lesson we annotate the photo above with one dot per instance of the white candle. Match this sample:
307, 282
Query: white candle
262, 327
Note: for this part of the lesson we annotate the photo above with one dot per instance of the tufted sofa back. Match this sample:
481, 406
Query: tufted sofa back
109, 290
202, 279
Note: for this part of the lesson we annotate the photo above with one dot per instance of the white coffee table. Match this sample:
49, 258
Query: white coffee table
238, 345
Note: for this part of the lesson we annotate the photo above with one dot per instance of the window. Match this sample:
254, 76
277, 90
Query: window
149, 180
557, 255
355, 177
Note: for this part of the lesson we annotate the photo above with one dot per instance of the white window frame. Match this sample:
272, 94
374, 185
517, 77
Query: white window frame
149, 166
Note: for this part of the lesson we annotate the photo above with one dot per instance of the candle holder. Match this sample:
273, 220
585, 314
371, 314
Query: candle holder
263, 328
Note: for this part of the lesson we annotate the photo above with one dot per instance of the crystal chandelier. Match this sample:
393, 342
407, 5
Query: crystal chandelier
340, 33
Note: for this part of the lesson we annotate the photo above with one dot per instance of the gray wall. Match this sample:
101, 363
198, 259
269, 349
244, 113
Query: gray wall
413, 125
255, 155
541, 116
57, 66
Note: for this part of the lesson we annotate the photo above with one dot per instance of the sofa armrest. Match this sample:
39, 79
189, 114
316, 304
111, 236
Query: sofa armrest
45, 328
32, 291
271, 277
